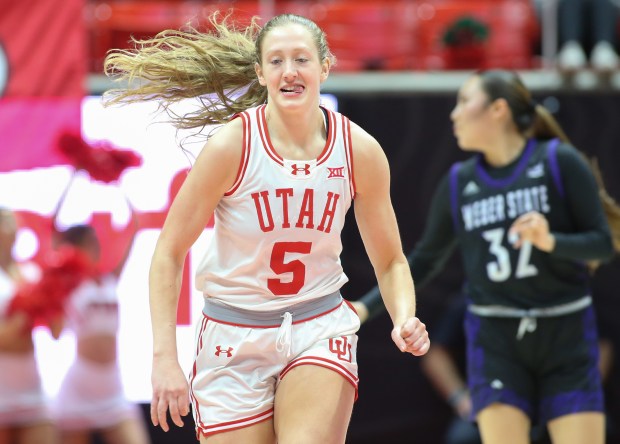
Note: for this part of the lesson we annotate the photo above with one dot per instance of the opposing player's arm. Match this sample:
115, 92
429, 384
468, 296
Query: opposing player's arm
592, 239
428, 257
377, 224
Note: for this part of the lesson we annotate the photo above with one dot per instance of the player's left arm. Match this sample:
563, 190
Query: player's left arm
378, 228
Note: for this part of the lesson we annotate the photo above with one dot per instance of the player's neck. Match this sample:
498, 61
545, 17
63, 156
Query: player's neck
505, 150
301, 133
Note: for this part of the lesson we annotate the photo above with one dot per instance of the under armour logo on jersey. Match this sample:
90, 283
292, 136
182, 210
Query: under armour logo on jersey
335, 172
471, 188
303, 169
219, 351
536, 171
299, 169
341, 348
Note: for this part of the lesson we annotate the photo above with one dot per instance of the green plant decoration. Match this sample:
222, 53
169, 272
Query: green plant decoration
466, 31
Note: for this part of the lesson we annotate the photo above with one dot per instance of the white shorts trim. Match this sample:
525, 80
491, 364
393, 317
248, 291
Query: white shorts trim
233, 425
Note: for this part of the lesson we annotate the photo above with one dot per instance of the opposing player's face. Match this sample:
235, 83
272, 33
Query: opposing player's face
470, 116
290, 67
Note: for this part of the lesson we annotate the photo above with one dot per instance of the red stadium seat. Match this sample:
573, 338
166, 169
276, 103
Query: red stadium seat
113, 23
513, 29
367, 35
363, 34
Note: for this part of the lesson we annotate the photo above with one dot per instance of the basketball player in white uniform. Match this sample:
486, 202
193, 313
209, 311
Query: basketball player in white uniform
276, 346
280, 223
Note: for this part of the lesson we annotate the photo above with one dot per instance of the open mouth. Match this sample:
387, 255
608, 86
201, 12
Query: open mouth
291, 90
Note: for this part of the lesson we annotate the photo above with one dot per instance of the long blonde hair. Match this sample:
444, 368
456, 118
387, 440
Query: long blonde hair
217, 66
534, 120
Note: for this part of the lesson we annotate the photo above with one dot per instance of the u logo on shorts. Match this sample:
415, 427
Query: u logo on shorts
341, 348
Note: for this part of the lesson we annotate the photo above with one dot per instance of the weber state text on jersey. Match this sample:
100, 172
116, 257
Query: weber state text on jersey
484, 204
276, 239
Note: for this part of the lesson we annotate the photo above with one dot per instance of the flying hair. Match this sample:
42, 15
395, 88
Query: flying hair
216, 66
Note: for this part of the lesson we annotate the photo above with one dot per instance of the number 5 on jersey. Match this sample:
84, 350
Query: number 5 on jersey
296, 267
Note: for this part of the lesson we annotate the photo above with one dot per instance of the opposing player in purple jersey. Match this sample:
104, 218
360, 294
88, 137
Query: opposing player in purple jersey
526, 214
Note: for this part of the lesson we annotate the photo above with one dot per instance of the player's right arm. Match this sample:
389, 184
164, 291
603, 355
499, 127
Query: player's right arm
213, 173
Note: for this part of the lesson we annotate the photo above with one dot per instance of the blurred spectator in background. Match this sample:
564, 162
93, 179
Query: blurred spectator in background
24, 413
91, 398
587, 26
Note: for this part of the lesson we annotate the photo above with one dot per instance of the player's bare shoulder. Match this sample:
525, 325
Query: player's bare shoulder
219, 159
362, 142
369, 160
227, 140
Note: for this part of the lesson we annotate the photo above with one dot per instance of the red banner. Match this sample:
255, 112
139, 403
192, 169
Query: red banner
42, 76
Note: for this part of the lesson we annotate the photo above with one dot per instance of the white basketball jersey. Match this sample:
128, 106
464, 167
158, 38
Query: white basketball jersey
276, 239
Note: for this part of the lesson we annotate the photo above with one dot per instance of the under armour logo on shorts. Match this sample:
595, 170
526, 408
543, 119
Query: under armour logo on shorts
219, 351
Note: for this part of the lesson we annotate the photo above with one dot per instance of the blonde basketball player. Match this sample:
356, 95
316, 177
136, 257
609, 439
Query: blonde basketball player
276, 346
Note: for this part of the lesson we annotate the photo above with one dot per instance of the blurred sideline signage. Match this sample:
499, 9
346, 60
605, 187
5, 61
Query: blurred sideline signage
150, 188
43, 61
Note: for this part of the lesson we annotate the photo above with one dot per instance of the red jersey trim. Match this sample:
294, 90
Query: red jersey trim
205, 430
348, 148
271, 151
264, 135
245, 153
331, 139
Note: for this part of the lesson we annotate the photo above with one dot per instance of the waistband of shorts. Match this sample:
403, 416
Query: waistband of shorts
300, 312
501, 311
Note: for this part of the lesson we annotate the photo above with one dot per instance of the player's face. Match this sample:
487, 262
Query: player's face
470, 116
290, 67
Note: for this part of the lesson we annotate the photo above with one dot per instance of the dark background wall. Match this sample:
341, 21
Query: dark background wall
396, 402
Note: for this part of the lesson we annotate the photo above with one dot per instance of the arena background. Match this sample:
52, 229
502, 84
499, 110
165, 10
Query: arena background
408, 113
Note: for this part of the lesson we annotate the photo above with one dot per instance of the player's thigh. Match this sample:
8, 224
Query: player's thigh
578, 428
503, 423
261, 433
313, 405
